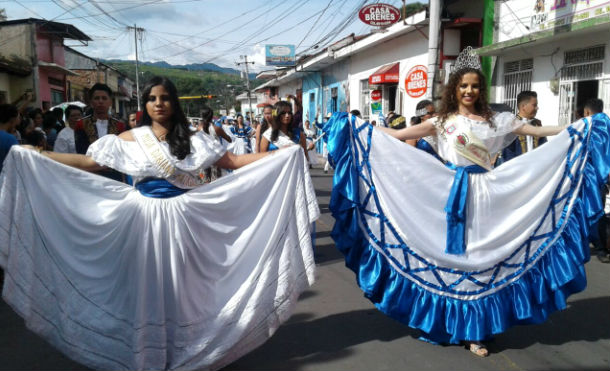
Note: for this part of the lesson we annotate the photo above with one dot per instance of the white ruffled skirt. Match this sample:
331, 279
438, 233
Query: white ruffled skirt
116, 280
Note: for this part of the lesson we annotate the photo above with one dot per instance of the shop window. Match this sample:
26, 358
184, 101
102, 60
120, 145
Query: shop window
57, 97
365, 99
517, 78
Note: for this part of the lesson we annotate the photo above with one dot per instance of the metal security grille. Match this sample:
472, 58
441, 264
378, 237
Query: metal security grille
579, 65
517, 78
586, 71
592, 54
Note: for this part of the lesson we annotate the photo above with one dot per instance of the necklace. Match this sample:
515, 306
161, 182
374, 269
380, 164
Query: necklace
161, 138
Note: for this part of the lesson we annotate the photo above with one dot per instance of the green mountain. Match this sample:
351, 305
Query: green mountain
222, 85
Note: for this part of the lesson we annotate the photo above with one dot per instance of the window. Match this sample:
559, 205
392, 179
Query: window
57, 97
517, 78
365, 99
334, 100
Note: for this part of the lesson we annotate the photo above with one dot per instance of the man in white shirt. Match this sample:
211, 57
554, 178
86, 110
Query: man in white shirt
65, 139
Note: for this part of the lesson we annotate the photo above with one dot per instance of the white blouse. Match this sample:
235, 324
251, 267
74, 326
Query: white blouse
129, 158
494, 138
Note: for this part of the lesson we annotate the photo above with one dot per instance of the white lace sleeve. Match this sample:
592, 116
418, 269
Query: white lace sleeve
205, 151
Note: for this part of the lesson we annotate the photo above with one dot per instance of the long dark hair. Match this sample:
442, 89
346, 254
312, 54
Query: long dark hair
206, 117
178, 137
450, 104
276, 125
264, 123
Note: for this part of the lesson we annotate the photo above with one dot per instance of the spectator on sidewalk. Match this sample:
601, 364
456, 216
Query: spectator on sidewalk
9, 118
65, 139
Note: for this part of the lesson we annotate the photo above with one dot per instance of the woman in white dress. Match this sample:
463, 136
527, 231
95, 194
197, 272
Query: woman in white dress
459, 250
282, 133
170, 274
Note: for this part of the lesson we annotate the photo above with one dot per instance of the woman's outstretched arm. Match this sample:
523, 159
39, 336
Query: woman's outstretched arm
538, 131
413, 132
72, 159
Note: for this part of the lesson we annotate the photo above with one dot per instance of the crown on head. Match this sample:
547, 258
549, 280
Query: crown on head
467, 59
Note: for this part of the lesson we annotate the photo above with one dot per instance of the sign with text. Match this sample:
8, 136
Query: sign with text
416, 82
279, 55
375, 95
551, 14
379, 15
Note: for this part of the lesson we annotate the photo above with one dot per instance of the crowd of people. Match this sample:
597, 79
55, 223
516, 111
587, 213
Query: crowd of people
162, 155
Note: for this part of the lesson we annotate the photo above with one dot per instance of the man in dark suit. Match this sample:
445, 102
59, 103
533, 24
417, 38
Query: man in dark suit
99, 123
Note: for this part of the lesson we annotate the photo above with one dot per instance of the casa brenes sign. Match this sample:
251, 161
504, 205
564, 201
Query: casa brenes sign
379, 15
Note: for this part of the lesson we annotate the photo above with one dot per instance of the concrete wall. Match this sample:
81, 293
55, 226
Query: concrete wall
50, 49
15, 40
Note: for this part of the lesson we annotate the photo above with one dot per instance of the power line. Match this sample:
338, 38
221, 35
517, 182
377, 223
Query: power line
315, 23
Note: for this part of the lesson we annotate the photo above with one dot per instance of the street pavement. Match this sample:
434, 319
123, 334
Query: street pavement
335, 328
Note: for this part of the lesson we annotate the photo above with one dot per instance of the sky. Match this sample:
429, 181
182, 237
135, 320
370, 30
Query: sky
198, 31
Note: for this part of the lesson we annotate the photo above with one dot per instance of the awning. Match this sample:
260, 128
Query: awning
387, 74
57, 68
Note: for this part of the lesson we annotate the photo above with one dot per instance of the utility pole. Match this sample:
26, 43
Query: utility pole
135, 38
434, 28
245, 62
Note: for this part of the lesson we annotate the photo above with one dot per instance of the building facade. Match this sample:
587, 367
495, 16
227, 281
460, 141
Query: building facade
32, 52
386, 70
560, 49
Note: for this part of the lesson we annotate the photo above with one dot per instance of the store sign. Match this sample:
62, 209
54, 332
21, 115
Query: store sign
416, 82
375, 95
279, 55
379, 15
551, 14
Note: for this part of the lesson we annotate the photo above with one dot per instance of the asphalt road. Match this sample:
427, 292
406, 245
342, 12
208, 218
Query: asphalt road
335, 328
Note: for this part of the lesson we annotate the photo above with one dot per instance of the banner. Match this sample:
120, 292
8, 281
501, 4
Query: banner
279, 55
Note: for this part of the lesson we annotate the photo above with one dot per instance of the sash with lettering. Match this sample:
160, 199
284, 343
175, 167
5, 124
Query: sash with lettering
162, 160
466, 143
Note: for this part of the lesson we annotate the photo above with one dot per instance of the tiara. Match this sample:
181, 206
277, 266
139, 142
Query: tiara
467, 59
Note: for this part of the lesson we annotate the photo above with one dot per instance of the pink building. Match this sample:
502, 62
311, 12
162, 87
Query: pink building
39, 45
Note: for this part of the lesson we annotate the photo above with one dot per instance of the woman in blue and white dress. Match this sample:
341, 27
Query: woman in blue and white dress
282, 133
460, 250
243, 133
173, 273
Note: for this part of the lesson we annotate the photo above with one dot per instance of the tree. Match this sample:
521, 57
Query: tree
3, 16
410, 9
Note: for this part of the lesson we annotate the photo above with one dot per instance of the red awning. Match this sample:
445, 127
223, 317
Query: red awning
387, 74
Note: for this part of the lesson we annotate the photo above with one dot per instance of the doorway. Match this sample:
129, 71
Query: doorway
585, 90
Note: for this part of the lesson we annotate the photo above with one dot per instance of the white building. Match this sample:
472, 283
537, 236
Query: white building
559, 48
380, 72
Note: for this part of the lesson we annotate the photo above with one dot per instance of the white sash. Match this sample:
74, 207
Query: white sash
158, 156
466, 143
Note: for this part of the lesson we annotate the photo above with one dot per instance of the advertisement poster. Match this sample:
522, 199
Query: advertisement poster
376, 102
